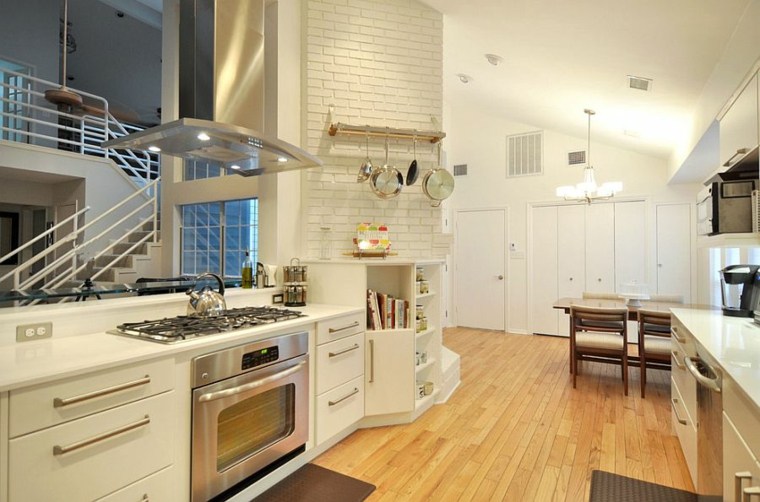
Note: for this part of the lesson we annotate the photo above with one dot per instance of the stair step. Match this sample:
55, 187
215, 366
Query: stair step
125, 261
138, 235
124, 246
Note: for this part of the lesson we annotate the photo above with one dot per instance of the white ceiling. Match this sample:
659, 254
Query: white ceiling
563, 56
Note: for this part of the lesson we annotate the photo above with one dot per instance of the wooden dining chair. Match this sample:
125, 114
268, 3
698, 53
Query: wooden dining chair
654, 342
599, 334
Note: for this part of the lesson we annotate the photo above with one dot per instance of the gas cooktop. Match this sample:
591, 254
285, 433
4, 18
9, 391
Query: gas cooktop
181, 328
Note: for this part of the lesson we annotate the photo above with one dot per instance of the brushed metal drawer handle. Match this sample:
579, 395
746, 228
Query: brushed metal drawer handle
681, 421
749, 492
675, 357
739, 478
353, 392
61, 450
349, 349
674, 332
355, 324
61, 402
739, 151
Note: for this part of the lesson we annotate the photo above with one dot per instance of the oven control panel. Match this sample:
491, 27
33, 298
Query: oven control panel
260, 357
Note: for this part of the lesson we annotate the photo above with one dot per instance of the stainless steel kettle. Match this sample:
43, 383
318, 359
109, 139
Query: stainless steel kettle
207, 302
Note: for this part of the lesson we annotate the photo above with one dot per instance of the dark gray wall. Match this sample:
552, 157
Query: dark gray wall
117, 58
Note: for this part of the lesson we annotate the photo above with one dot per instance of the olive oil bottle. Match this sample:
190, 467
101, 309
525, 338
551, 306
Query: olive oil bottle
247, 271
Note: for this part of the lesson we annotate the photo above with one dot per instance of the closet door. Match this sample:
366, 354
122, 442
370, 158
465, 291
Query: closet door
674, 250
571, 261
600, 248
544, 318
630, 244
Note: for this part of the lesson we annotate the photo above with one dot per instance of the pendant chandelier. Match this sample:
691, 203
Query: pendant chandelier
588, 190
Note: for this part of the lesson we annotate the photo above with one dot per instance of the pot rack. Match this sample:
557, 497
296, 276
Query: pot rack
340, 129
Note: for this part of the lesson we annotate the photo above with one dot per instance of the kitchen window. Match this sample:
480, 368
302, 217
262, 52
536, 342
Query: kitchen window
215, 236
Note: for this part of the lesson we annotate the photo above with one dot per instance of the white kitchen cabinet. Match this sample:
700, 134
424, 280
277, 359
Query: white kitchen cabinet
339, 359
390, 370
156, 487
89, 436
93, 456
741, 442
674, 226
739, 126
683, 395
577, 248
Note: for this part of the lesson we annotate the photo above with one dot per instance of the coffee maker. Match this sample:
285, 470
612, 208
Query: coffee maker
740, 290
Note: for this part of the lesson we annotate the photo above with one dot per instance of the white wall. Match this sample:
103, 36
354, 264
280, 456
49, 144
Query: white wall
380, 64
479, 140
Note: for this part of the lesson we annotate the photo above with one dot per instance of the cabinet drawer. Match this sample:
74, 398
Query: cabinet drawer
99, 460
339, 361
41, 406
743, 414
686, 432
340, 408
737, 459
155, 488
340, 327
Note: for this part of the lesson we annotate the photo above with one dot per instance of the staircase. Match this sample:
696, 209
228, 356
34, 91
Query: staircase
119, 241
123, 264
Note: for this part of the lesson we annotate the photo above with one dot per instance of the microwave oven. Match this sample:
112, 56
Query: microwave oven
725, 207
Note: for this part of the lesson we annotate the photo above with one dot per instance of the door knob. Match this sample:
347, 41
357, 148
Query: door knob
501, 277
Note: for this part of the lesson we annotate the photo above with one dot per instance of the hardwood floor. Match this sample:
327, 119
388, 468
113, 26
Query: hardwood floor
516, 430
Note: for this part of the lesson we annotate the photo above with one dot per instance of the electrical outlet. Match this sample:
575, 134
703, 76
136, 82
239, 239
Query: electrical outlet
26, 332
279, 298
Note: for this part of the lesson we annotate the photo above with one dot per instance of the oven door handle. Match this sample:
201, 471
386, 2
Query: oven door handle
211, 396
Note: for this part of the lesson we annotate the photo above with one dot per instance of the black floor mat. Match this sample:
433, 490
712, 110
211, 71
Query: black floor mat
609, 487
313, 483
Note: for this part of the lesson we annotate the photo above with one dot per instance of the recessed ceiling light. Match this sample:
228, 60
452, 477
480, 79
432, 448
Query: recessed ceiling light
282, 159
494, 59
465, 79
154, 148
234, 166
204, 137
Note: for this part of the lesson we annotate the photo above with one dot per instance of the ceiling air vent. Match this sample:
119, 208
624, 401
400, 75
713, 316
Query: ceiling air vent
640, 83
525, 154
575, 158
460, 170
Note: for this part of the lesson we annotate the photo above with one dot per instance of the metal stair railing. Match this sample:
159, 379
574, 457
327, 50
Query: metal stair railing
26, 116
16, 272
69, 259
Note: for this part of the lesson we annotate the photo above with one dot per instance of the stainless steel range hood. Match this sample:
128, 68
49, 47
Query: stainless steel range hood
221, 94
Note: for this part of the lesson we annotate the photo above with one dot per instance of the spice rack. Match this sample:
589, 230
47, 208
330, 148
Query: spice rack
294, 282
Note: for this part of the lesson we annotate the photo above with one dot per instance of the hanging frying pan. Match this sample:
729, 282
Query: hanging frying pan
386, 181
412, 173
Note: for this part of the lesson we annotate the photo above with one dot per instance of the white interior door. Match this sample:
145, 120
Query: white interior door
674, 250
630, 244
480, 269
543, 274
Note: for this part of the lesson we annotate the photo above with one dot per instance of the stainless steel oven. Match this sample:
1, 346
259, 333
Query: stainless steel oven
250, 409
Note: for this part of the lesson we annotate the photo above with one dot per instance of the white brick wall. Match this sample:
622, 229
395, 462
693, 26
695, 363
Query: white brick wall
380, 64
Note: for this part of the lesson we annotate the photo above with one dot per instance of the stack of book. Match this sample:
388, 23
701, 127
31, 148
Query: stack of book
386, 312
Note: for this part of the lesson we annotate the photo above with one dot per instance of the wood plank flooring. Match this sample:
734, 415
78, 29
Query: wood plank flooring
516, 430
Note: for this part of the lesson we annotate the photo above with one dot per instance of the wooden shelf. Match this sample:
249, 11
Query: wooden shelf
340, 129
419, 335
422, 367
424, 295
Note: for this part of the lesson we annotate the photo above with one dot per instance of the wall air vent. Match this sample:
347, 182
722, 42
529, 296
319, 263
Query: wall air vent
460, 170
640, 83
575, 158
525, 154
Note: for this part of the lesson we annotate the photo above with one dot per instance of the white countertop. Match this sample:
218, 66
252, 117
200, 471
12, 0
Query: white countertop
40, 361
734, 342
